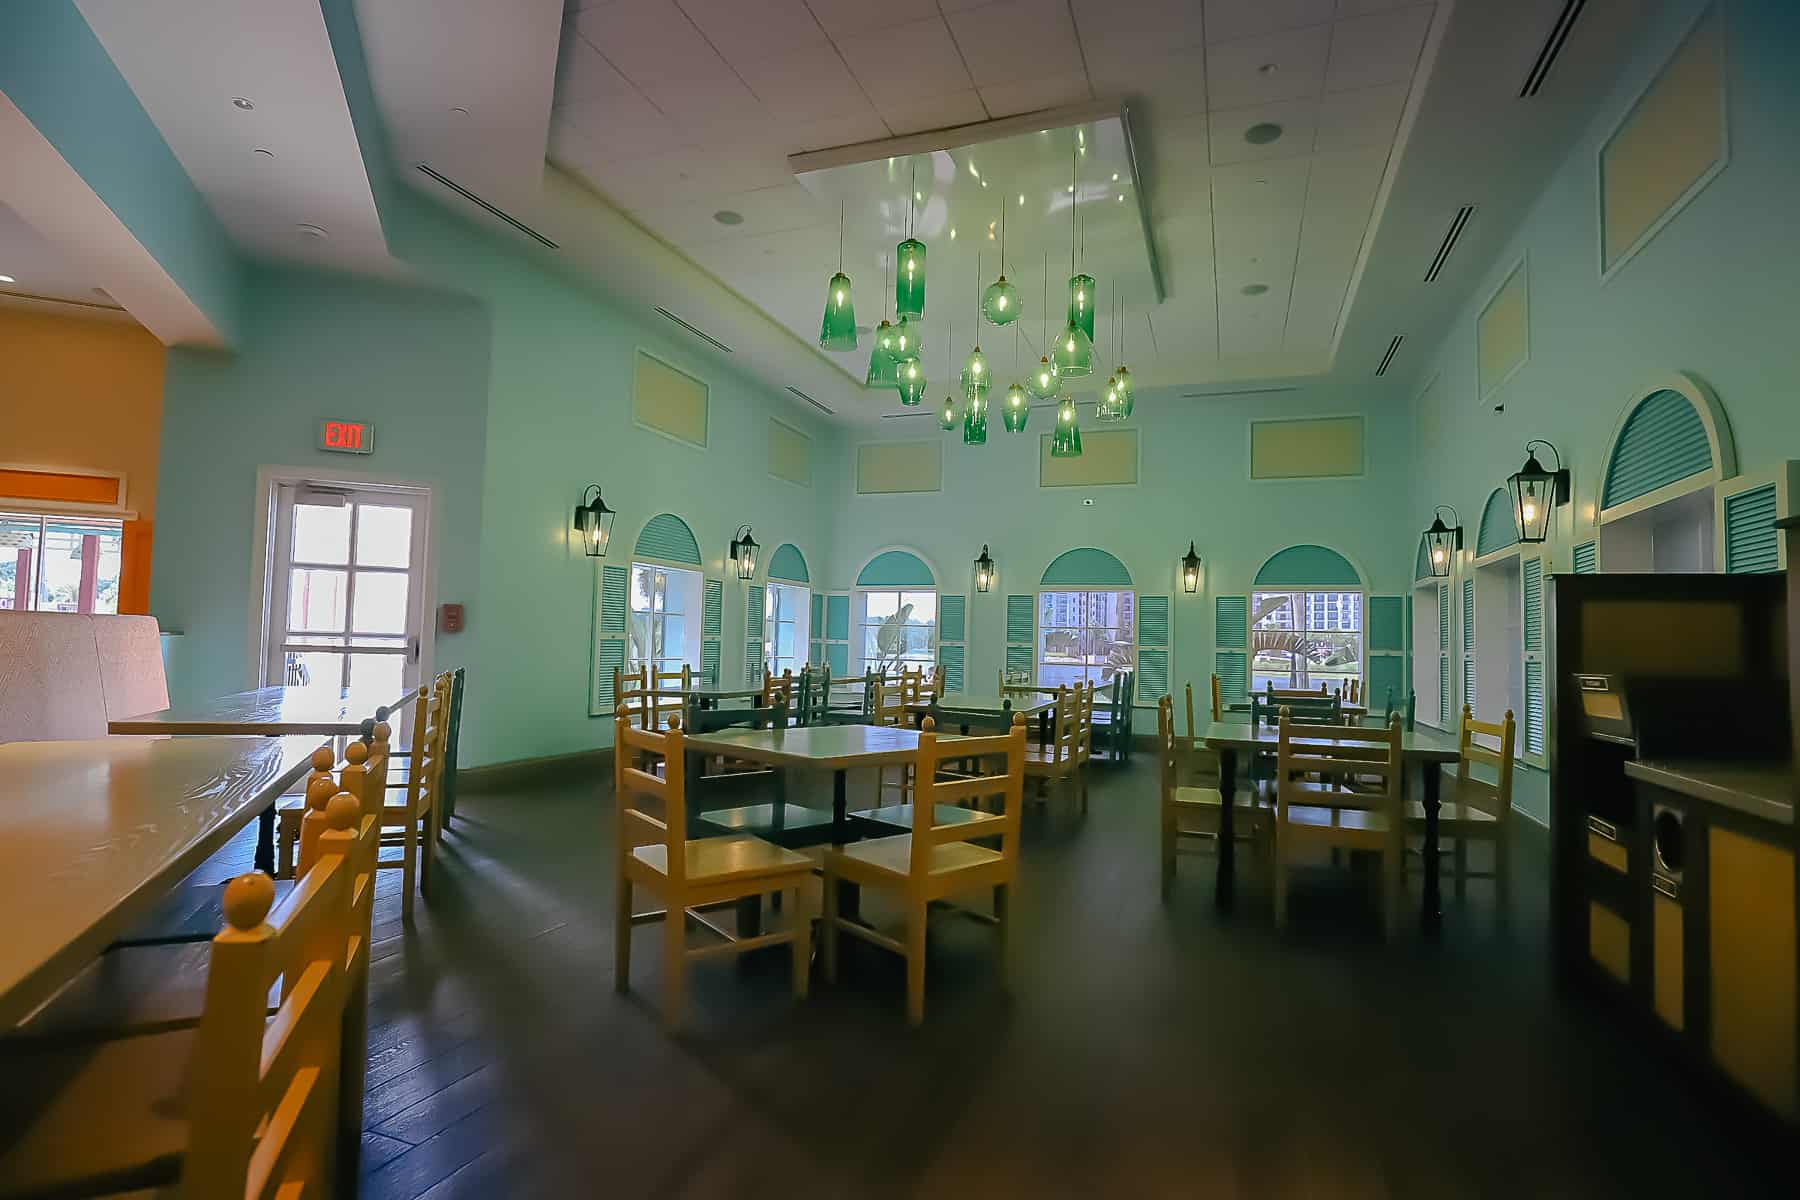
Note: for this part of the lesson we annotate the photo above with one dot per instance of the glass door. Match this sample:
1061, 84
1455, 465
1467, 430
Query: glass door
346, 604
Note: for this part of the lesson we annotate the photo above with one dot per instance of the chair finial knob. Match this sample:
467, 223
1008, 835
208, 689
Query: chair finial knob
323, 758
342, 811
1018, 720
357, 753
929, 725
383, 731
319, 792
674, 724
248, 899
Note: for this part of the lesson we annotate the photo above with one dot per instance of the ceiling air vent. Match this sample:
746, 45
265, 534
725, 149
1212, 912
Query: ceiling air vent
1260, 391
901, 416
704, 336
1450, 239
1388, 358
827, 411
426, 170
1553, 46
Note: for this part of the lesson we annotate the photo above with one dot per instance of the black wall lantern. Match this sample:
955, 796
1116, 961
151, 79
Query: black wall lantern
1190, 571
743, 553
1536, 491
593, 523
1443, 541
984, 571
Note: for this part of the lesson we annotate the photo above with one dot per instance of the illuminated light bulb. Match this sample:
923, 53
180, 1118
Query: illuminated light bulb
1074, 353
947, 414
837, 329
1081, 303
1066, 441
975, 376
909, 281
1044, 382
1437, 556
1017, 409
1530, 513
912, 383
1000, 302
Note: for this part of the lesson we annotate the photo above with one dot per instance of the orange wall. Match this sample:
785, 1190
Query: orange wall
87, 393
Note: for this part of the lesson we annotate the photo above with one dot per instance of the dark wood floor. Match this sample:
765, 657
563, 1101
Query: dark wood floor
1135, 1048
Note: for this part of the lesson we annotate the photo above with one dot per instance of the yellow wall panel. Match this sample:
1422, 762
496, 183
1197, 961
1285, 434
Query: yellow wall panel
790, 454
883, 467
668, 400
1503, 333
1108, 456
1309, 448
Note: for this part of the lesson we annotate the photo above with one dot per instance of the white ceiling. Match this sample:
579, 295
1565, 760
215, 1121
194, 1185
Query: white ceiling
677, 109
41, 269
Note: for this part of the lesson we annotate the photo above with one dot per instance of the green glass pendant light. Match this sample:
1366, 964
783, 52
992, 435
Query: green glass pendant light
1081, 303
911, 382
1073, 350
881, 355
837, 329
976, 379
909, 338
947, 414
1066, 441
1108, 407
1000, 300
1015, 410
909, 268
1044, 383
1121, 379
975, 421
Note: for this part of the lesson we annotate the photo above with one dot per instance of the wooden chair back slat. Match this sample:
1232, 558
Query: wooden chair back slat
1008, 785
1490, 796
1374, 758
631, 782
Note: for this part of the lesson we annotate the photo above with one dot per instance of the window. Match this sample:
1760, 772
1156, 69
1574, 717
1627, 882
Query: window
60, 564
665, 618
1303, 639
899, 629
1085, 636
787, 614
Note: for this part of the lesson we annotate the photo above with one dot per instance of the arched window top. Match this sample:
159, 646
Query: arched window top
788, 565
1674, 437
1085, 567
896, 569
1308, 566
667, 538
1499, 525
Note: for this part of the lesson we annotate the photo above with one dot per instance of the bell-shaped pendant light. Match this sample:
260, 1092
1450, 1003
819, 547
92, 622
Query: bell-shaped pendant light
1066, 441
1073, 352
837, 329
947, 414
1108, 408
975, 421
976, 378
911, 381
881, 357
1126, 390
1015, 410
909, 338
1081, 303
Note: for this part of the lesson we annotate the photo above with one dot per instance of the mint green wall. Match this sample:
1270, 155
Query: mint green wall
1714, 294
60, 76
1195, 484
413, 362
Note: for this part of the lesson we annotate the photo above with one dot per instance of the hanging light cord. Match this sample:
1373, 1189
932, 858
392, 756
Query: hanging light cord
911, 194
840, 237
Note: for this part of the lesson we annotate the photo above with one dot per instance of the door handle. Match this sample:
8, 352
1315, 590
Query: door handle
412, 648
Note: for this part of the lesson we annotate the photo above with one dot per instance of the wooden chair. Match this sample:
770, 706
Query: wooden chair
1112, 720
241, 1103
1061, 759
629, 687
1308, 708
1477, 810
1191, 801
1309, 812
412, 823
656, 854
1410, 712
936, 860
1017, 678
779, 689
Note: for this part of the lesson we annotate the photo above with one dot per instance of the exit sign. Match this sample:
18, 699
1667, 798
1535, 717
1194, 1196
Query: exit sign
347, 437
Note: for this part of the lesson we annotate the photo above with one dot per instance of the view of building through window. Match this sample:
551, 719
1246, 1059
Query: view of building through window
1303, 639
60, 564
1085, 636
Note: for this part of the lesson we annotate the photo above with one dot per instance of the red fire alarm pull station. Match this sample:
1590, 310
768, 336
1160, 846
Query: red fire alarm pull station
450, 618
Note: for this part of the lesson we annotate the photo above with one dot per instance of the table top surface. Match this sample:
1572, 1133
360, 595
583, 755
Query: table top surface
1420, 745
93, 833
269, 710
826, 746
958, 701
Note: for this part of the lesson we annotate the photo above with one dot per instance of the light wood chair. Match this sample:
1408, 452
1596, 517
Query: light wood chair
1061, 759
686, 875
411, 824
1310, 812
1477, 810
1191, 801
245, 1102
630, 688
936, 860
779, 689
662, 708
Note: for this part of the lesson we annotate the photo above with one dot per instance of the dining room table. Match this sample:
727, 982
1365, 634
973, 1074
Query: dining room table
278, 711
94, 832
1036, 706
1423, 752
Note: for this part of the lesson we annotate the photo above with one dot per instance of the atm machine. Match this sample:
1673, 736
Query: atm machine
1673, 889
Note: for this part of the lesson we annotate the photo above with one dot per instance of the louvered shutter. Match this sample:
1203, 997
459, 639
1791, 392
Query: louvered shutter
1587, 558
609, 638
837, 633
1153, 650
1387, 651
1752, 543
712, 629
755, 597
1231, 647
1021, 634
1468, 642
815, 651
1445, 699
952, 642
1531, 587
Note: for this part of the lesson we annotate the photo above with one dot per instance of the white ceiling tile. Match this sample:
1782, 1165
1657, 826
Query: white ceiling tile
1373, 50
1140, 67
627, 126
1297, 119
582, 72
1358, 8
844, 18
1352, 120
1249, 188
710, 111
1172, 22
833, 131
1030, 95
808, 84
905, 65
1017, 39
940, 110
1227, 20
742, 32
1273, 66
650, 42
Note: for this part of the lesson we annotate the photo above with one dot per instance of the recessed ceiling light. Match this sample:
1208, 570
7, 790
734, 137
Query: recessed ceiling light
1254, 289
242, 103
312, 231
264, 152
1268, 68
726, 216
7, 279
1262, 133
1087, 501
459, 110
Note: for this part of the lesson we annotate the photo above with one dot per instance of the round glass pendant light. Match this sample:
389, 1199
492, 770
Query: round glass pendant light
1081, 303
1000, 302
947, 414
909, 338
910, 382
837, 328
1015, 410
1073, 352
1044, 383
975, 421
1066, 441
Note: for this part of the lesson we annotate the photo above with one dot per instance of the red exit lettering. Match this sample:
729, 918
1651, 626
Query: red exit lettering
351, 437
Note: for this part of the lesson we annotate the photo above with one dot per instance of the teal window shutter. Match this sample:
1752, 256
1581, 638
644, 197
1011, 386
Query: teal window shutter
1443, 691
1587, 558
1662, 442
816, 647
1231, 642
753, 662
1233, 669
608, 652
835, 648
1534, 707
1443, 592
613, 582
1532, 583
1752, 543
1153, 650
709, 661
755, 597
1469, 683
609, 656
667, 538
837, 617
952, 639
712, 629
950, 667
1384, 675
952, 612
1021, 632
1468, 642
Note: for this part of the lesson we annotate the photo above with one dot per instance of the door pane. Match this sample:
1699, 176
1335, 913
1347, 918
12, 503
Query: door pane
321, 534
316, 600
379, 675
315, 668
380, 603
383, 535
